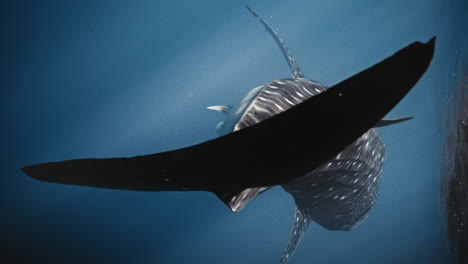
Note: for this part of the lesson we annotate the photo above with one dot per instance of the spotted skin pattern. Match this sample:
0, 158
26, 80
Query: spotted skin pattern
338, 195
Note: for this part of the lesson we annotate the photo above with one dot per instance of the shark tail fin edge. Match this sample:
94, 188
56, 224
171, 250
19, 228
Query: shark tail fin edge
301, 222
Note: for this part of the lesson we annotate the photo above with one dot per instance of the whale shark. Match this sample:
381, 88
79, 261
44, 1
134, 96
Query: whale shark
338, 195
319, 143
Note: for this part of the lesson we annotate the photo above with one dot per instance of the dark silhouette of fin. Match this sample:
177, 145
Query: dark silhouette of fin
387, 122
272, 152
295, 69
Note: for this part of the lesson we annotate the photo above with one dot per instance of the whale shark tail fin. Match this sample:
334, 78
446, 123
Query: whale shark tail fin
301, 222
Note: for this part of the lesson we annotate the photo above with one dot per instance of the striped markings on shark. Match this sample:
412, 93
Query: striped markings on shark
340, 194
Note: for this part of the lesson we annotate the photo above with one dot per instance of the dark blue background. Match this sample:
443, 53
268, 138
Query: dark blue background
118, 78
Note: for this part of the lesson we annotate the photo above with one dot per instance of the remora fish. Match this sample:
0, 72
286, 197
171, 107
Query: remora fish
339, 194
276, 151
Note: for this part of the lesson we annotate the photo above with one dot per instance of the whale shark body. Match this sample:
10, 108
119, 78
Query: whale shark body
338, 195
320, 144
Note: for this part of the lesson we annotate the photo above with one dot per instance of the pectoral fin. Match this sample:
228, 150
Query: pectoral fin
220, 108
237, 200
387, 122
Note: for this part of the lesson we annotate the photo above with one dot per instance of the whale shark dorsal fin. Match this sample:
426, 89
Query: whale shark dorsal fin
296, 71
221, 108
387, 122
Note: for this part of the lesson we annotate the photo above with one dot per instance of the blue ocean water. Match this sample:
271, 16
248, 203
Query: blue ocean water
109, 78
